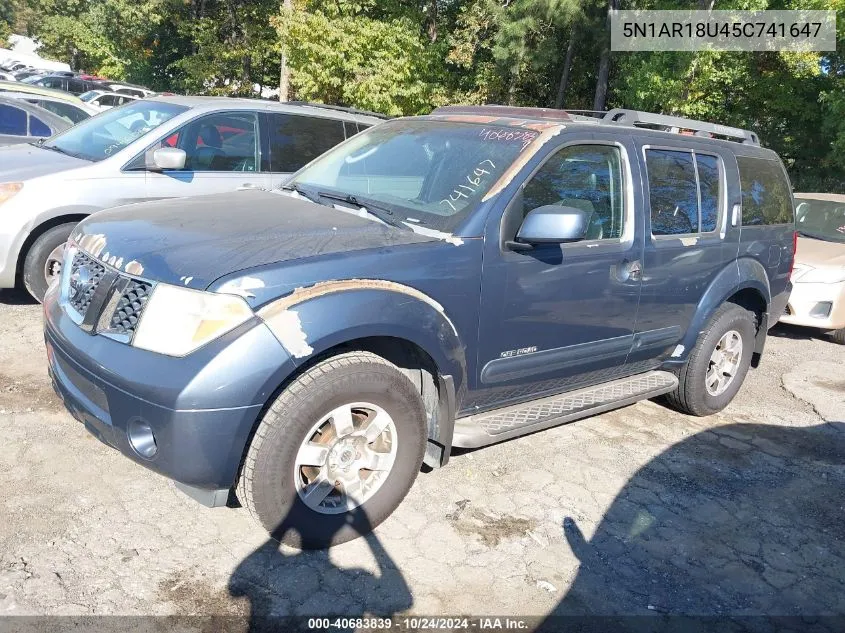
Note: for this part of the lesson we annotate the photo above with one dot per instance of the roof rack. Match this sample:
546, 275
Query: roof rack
327, 106
668, 123
505, 111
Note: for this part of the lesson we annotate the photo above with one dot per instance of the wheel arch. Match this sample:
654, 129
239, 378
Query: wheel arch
39, 230
744, 282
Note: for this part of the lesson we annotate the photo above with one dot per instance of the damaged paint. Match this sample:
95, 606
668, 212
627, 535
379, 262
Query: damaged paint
240, 287
440, 235
134, 268
94, 244
547, 132
285, 323
679, 349
287, 327
689, 241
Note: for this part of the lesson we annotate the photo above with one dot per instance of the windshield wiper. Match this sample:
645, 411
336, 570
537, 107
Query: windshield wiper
56, 149
297, 189
381, 213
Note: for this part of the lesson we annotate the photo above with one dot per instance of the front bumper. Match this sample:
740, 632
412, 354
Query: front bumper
805, 298
201, 408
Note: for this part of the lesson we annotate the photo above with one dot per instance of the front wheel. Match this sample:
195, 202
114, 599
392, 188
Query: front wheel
718, 363
43, 263
336, 452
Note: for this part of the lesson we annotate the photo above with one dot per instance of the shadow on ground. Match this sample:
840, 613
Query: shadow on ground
16, 297
278, 582
741, 520
798, 333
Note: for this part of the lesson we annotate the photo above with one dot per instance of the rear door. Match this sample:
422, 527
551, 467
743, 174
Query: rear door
689, 187
223, 154
296, 140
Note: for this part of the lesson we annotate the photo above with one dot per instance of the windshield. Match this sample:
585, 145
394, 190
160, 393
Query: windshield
820, 219
99, 137
428, 173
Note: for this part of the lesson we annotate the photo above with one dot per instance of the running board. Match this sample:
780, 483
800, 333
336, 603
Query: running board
502, 424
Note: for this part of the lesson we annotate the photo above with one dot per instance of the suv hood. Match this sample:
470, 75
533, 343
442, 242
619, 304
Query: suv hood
193, 241
19, 163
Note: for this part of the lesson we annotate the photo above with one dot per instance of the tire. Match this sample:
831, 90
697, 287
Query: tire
35, 263
838, 336
271, 476
692, 395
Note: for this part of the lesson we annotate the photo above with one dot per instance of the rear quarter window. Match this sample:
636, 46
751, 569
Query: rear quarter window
766, 195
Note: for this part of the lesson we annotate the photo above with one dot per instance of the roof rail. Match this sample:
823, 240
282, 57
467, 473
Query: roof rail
327, 106
505, 111
675, 124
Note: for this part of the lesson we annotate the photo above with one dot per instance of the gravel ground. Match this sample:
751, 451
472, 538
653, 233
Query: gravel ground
637, 511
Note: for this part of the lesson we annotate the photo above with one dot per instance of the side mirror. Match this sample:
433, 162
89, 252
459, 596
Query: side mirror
553, 224
166, 158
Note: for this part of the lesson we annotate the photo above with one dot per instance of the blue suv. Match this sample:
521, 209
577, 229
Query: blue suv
451, 280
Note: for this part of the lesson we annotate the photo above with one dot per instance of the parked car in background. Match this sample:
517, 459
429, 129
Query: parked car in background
72, 84
23, 122
22, 86
7, 77
164, 147
73, 112
129, 89
818, 292
103, 99
451, 280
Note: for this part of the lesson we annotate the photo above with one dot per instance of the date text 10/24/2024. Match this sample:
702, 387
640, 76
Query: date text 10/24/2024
421, 623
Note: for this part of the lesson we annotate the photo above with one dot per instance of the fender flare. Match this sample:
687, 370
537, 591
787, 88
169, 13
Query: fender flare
312, 320
744, 273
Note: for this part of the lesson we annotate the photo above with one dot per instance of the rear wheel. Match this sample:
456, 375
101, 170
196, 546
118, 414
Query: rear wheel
716, 367
43, 263
838, 336
336, 452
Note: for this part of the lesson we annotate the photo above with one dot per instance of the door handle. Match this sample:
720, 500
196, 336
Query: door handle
249, 185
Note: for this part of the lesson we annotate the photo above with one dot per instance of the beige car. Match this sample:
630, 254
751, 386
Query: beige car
818, 291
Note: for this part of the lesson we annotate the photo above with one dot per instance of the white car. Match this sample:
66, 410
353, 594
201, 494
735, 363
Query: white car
73, 112
103, 100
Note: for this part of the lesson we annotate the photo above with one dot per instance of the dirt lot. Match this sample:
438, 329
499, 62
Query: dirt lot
638, 511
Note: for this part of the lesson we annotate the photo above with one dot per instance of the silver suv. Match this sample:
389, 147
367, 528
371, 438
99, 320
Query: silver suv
164, 147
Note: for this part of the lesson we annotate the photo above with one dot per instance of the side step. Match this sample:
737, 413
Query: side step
502, 424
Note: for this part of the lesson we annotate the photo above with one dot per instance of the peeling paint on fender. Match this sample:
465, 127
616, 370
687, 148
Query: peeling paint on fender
240, 287
288, 329
93, 244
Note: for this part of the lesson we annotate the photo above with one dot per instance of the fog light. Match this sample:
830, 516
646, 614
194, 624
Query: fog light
821, 310
142, 439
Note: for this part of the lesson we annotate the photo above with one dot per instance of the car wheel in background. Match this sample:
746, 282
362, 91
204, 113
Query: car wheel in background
718, 363
43, 263
335, 453
838, 336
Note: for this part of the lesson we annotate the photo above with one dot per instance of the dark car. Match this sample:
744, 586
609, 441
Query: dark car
69, 83
452, 280
23, 122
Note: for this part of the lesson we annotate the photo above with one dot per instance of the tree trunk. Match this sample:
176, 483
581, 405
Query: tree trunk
431, 26
284, 72
604, 64
564, 75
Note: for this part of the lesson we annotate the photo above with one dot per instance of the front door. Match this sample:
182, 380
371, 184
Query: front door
560, 316
223, 154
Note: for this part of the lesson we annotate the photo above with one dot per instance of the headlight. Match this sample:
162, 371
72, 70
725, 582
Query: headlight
9, 189
176, 321
827, 275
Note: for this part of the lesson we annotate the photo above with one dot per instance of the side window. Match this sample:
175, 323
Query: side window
76, 86
673, 192
587, 177
226, 141
684, 191
765, 192
37, 127
105, 100
296, 140
12, 120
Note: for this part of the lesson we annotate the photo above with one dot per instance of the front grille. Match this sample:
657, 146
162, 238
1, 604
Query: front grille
787, 311
129, 307
95, 271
